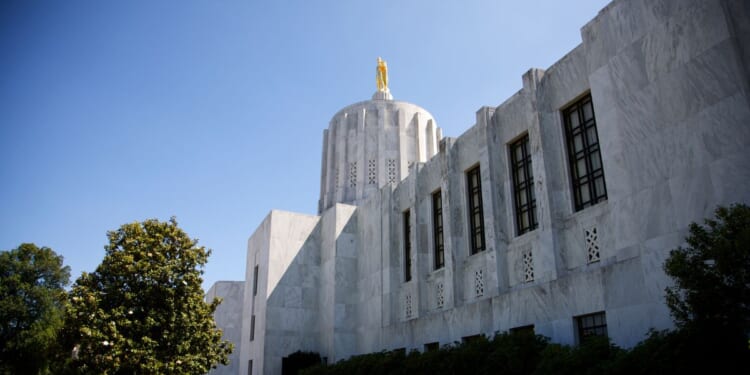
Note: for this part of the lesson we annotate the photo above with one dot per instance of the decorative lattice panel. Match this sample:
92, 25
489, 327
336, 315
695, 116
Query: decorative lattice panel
391, 168
371, 175
592, 244
478, 283
440, 297
528, 266
353, 174
407, 306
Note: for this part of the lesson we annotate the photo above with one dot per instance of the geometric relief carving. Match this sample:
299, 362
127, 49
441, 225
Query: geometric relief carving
353, 174
440, 298
478, 283
407, 307
371, 176
592, 244
391, 168
528, 266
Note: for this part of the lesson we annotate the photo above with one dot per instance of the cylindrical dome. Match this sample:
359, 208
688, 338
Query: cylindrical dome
371, 144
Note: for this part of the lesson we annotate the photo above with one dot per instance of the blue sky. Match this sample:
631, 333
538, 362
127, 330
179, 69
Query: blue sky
213, 111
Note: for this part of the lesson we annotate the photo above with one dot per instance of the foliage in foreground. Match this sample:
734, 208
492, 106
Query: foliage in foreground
711, 295
32, 294
299, 360
505, 353
665, 352
712, 273
142, 310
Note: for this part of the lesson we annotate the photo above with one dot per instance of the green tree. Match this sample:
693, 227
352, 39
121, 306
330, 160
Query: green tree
32, 294
142, 310
710, 299
712, 273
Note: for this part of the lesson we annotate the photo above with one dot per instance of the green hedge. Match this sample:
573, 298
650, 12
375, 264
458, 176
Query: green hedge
665, 352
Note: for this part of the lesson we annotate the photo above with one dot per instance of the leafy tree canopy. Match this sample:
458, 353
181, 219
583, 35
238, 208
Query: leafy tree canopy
32, 294
712, 273
142, 310
710, 301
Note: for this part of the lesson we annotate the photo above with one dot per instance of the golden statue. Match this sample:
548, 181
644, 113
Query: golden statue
381, 75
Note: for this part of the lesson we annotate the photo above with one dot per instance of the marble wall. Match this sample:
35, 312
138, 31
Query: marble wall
228, 316
372, 144
669, 86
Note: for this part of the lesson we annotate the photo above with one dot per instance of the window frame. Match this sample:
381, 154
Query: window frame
252, 327
406, 218
255, 281
438, 239
471, 338
588, 155
525, 214
527, 329
475, 209
594, 329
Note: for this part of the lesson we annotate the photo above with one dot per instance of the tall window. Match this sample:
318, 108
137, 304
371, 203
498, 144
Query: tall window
437, 229
586, 172
523, 185
407, 246
591, 325
476, 219
255, 281
252, 328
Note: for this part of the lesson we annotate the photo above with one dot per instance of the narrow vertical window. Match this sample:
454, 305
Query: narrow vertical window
252, 328
255, 281
437, 229
584, 156
523, 186
407, 246
476, 219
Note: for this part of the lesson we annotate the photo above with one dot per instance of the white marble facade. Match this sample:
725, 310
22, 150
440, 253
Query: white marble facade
670, 90
228, 316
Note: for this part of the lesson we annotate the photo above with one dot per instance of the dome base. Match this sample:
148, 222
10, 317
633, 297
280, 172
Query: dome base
382, 95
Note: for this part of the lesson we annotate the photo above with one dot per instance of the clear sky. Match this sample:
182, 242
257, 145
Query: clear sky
213, 111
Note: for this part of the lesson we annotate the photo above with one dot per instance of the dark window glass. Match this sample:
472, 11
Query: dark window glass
584, 157
591, 325
523, 330
470, 339
476, 220
523, 186
250, 367
252, 328
407, 246
431, 347
437, 229
255, 281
